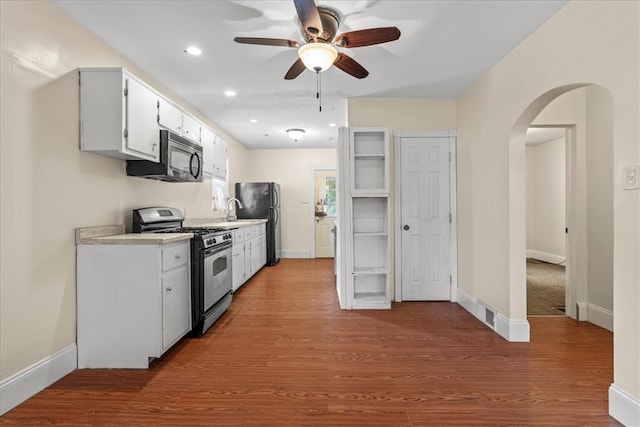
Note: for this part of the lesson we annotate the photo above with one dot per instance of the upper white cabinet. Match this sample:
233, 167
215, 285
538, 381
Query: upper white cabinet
220, 162
118, 115
169, 116
191, 128
176, 120
208, 141
214, 151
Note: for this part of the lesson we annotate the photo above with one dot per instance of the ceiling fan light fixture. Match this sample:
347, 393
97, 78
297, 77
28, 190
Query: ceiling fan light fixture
295, 134
317, 56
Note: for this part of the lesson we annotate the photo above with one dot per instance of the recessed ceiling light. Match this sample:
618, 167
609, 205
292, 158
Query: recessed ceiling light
253, 121
229, 93
332, 124
193, 50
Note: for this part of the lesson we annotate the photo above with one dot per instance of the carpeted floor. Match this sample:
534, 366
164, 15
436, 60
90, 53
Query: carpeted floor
545, 289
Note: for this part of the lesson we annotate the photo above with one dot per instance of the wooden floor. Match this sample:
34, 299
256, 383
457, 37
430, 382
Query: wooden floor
286, 355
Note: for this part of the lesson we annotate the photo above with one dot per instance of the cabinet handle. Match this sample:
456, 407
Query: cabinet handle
178, 257
153, 147
169, 289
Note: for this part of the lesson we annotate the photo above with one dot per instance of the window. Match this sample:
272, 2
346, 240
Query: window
325, 195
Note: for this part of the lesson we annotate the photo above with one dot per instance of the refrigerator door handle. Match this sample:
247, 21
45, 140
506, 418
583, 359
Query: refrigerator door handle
277, 196
276, 216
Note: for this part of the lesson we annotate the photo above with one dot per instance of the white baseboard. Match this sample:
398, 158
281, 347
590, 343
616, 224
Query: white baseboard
31, 380
509, 329
596, 315
295, 254
624, 407
545, 256
513, 330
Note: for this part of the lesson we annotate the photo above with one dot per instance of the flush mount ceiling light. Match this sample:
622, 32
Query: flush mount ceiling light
193, 50
317, 56
295, 134
229, 93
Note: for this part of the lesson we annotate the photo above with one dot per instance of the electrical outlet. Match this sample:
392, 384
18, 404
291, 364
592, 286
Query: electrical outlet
631, 179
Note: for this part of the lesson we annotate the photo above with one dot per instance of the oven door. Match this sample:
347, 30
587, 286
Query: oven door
217, 275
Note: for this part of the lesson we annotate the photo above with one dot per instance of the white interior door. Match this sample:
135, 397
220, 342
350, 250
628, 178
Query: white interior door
425, 218
325, 215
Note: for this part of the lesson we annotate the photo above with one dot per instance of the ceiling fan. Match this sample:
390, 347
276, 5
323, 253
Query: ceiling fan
319, 25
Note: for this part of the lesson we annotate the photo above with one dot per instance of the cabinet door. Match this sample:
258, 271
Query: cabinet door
221, 159
238, 265
176, 305
191, 128
169, 116
257, 249
142, 133
248, 250
263, 252
208, 141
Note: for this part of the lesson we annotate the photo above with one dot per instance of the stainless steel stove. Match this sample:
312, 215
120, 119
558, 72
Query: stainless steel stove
211, 257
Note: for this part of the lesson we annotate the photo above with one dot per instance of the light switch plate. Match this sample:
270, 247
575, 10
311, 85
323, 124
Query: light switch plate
631, 179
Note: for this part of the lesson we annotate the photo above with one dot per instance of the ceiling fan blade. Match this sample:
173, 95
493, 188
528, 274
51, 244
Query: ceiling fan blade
368, 37
295, 70
350, 66
309, 16
267, 41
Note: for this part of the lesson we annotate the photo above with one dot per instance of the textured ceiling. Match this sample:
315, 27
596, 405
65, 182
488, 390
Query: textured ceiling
445, 46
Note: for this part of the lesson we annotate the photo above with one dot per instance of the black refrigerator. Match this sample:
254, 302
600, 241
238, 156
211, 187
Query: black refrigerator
261, 200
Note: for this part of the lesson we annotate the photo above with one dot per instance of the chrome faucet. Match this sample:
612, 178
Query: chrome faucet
233, 217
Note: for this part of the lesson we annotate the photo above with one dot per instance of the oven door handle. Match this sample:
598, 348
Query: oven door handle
216, 249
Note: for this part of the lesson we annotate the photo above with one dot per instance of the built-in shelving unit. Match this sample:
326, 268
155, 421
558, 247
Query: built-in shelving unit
363, 186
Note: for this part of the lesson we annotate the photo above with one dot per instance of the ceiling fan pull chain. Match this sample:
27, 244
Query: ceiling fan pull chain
318, 89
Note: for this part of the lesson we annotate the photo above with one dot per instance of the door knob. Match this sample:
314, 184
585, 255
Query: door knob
406, 227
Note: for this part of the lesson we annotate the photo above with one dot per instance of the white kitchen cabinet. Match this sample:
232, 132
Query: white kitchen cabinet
249, 252
171, 117
191, 128
220, 159
256, 236
363, 280
238, 263
118, 115
133, 302
208, 142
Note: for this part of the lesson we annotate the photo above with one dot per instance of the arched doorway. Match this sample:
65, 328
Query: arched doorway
589, 199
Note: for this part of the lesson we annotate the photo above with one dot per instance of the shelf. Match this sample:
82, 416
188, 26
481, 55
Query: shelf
369, 142
370, 215
370, 270
372, 156
369, 173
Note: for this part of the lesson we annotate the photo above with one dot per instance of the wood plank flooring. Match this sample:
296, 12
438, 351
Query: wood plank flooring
286, 355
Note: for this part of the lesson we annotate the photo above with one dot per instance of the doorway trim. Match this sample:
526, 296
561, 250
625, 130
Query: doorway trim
570, 297
397, 210
312, 205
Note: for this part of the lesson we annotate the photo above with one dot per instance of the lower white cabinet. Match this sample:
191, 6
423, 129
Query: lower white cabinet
238, 262
133, 302
249, 252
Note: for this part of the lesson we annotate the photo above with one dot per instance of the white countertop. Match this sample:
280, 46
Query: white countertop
226, 225
115, 235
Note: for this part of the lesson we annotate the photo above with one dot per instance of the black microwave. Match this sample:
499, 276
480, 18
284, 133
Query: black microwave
180, 161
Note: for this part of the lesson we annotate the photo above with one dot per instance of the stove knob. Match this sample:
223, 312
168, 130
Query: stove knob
214, 241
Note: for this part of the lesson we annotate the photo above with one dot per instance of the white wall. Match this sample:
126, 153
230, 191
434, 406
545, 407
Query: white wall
293, 170
49, 187
595, 42
546, 200
600, 182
